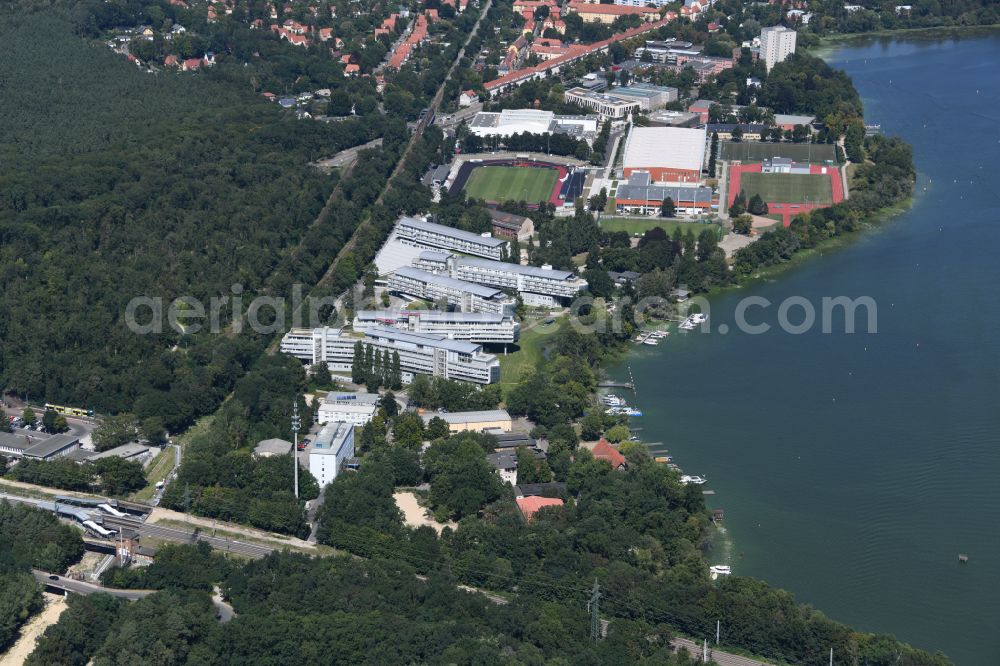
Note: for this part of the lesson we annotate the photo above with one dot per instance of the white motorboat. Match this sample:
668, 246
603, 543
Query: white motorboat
720, 570
688, 479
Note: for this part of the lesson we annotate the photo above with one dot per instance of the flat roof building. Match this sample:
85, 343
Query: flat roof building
429, 234
543, 280
465, 296
479, 421
419, 353
650, 97
664, 118
46, 448
357, 414
518, 121
667, 154
483, 327
608, 107
334, 444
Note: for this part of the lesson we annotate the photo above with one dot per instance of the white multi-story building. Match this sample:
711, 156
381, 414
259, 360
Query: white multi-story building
465, 296
357, 414
529, 281
334, 444
419, 353
429, 234
776, 44
471, 326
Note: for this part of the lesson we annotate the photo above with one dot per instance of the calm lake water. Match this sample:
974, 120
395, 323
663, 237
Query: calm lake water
854, 469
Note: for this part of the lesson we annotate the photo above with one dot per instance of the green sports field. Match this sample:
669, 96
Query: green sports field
507, 183
754, 151
788, 187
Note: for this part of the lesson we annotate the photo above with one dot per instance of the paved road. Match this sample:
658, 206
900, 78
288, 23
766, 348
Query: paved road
189, 536
718, 656
346, 157
84, 588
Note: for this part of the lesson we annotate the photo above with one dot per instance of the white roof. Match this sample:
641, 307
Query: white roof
396, 254
665, 147
486, 416
341, 408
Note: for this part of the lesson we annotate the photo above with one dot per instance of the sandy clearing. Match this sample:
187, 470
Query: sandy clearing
55, 604
415, 515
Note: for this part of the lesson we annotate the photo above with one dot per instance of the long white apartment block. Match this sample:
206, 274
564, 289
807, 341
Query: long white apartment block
483, 327
465, 296
542, 280
420, 232
419, 353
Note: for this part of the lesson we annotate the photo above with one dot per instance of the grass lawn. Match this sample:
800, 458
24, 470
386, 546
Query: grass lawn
515, 364
640, 225
788, 187
507, 183
753, 151
157, 471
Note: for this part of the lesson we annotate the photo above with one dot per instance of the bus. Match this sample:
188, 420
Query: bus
70, 411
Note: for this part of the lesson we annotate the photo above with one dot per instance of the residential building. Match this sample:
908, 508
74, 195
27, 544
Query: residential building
488, 420
607, 106
667, 154
511, 226
419, 353
334, 444
505, 464
483, 327
531, 505
465, 296
429, 234
639, 195
776, 44
541, 280
604, 451
591, 13
467, 98
550, 489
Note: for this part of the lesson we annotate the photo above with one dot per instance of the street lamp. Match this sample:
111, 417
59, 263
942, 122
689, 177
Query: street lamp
296, 424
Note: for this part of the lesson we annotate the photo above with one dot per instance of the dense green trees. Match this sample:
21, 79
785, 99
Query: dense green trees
111, 476
30, 537
455, 396
20, 598
81, 630
462, 481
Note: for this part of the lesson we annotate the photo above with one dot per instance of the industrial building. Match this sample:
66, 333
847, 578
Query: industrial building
483, 327
608, 107
421, 232
334, 444
419, 353
38, 448
491, 420
776, 44
465, 296
667, 154
518, 121
639, 195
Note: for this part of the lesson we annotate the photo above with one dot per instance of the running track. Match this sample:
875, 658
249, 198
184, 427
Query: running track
787, 210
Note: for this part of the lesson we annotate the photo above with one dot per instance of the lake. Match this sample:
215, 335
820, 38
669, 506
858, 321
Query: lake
855, 468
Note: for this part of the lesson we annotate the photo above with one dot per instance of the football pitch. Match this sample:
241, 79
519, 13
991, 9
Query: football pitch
752, 151
788, 187
509, 183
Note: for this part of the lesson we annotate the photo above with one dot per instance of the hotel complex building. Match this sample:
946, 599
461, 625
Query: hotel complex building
429, 234
529, 281
483, 327
465, 296
419, 353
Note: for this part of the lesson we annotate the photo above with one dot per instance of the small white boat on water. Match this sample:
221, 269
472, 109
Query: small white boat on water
720, 570
650, 341
694, 480
698, 318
